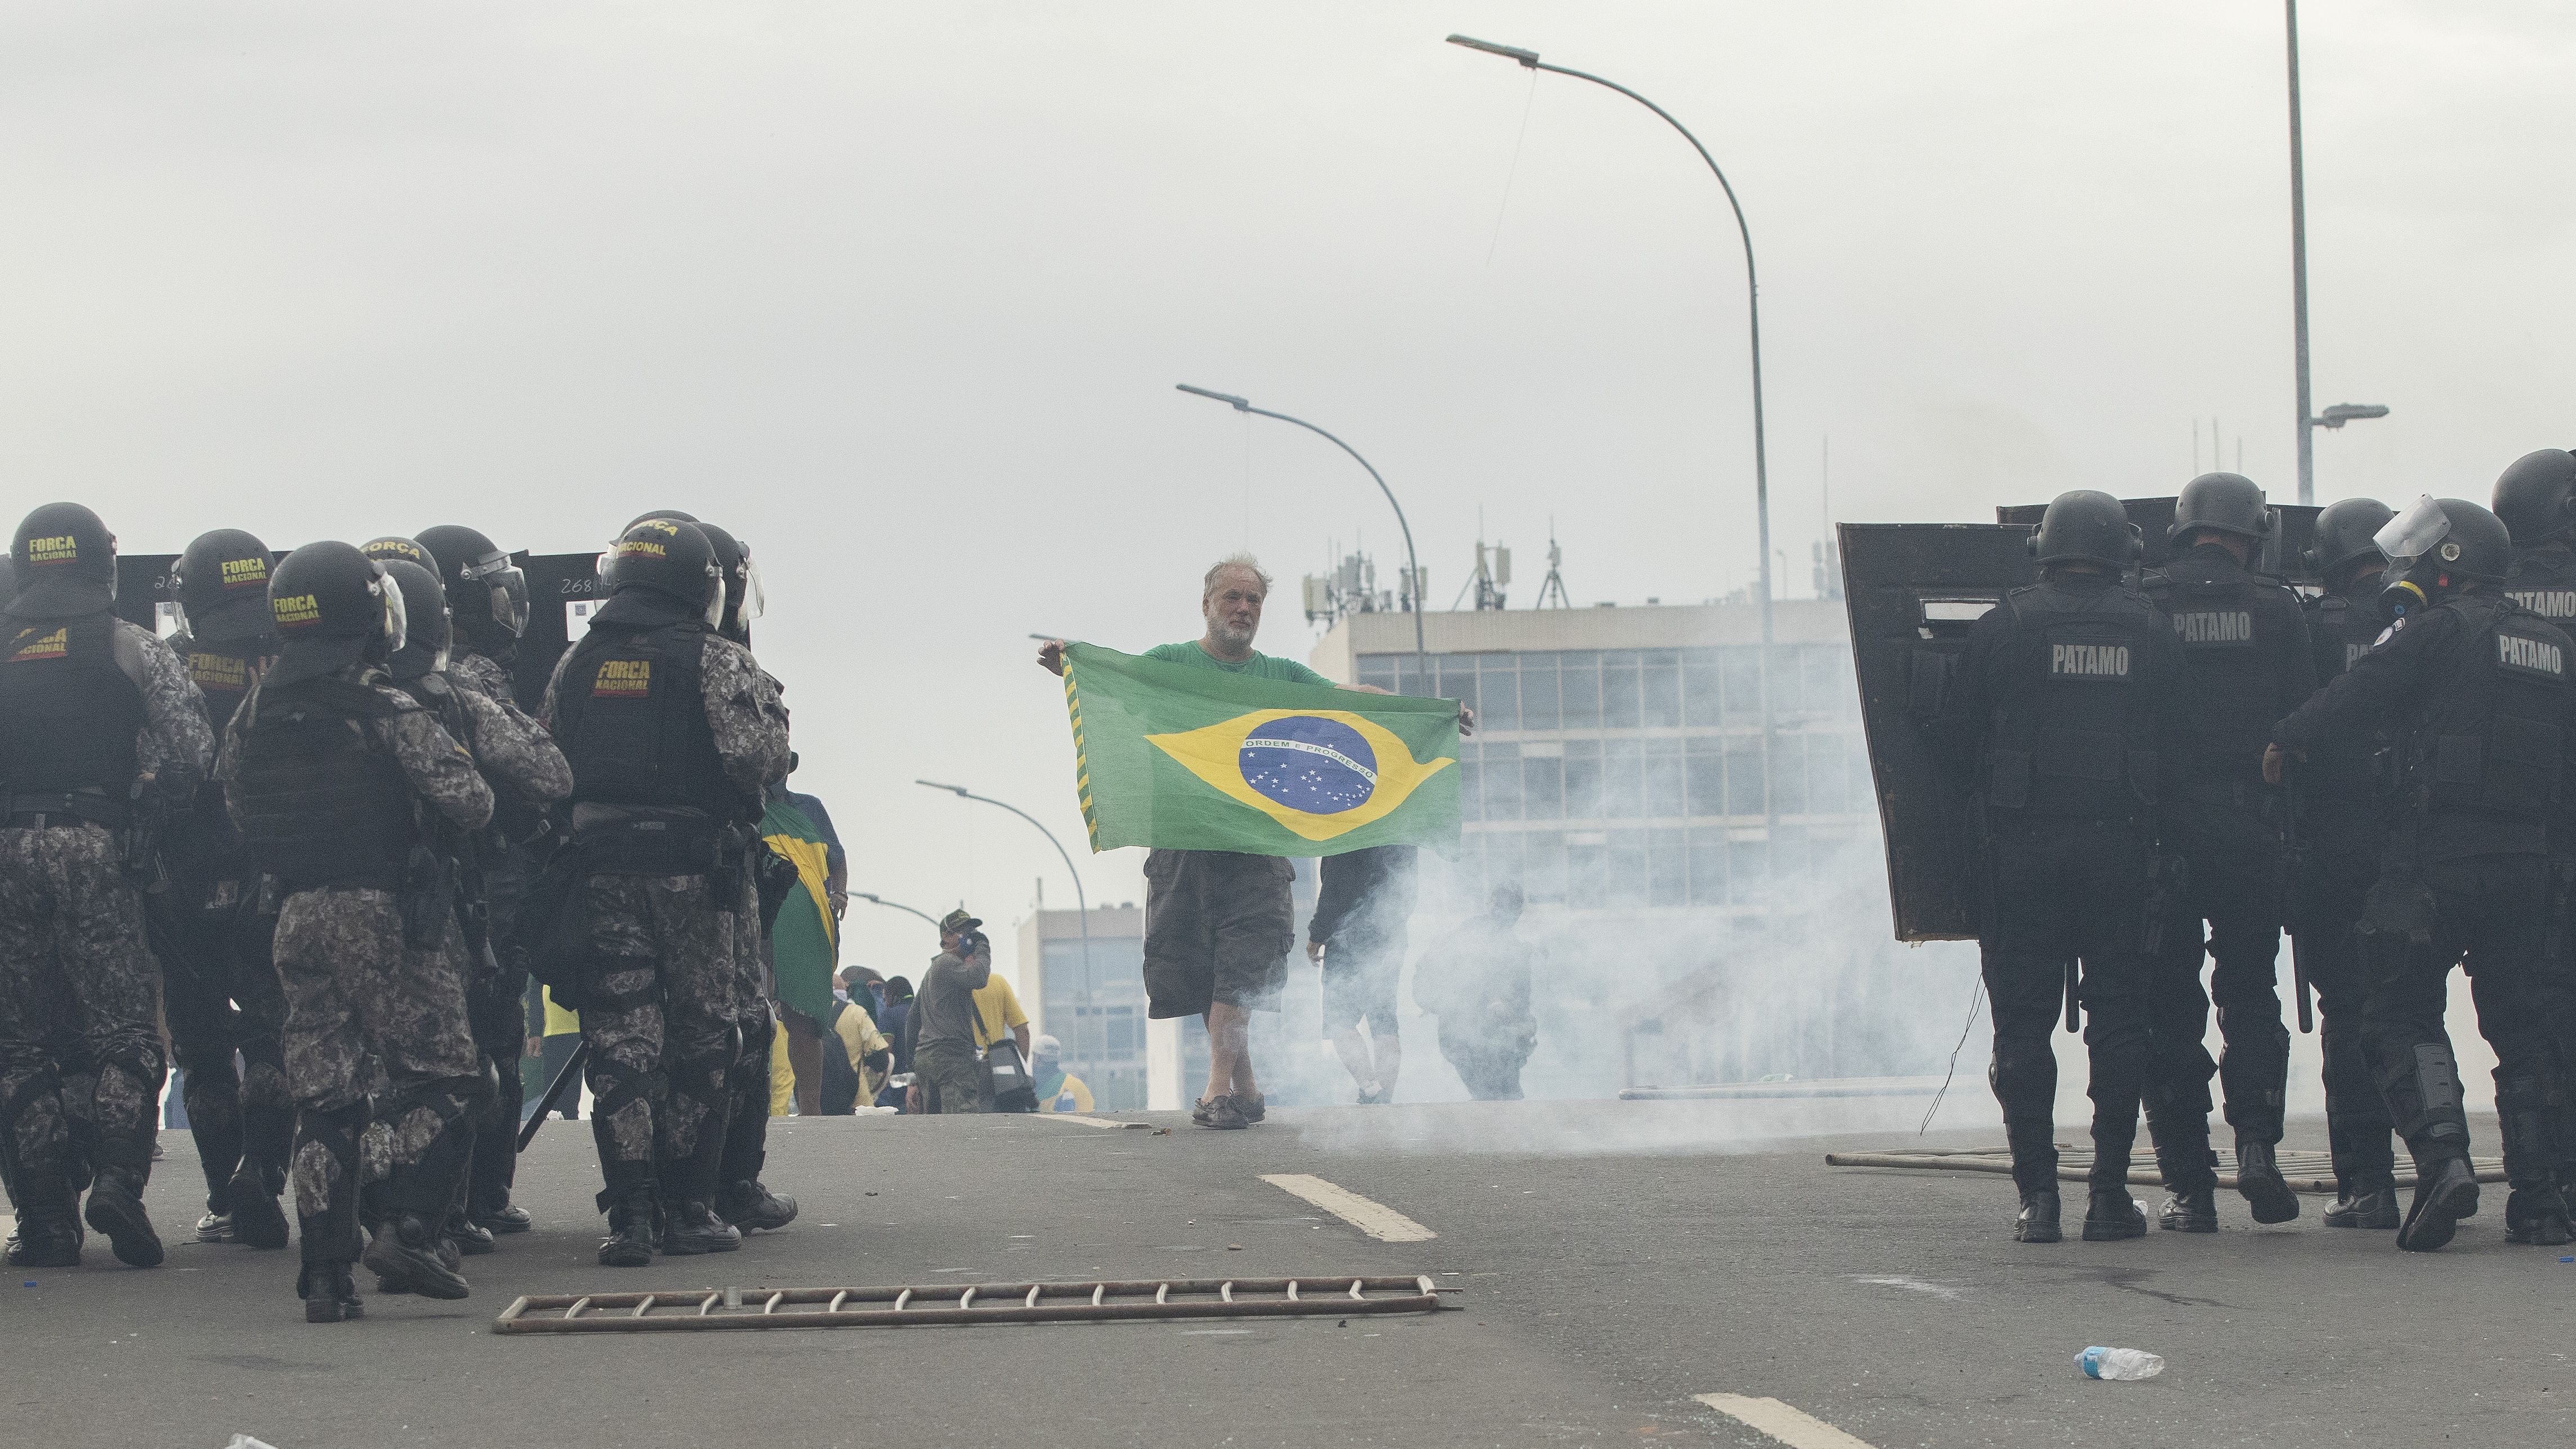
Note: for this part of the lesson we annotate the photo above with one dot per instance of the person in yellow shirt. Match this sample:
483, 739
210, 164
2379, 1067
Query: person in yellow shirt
871, 1056
997, 1010
1058, 1090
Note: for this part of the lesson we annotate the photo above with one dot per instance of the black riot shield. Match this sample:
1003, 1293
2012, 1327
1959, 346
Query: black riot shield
563, 589
143, 591
2294, 527
1912, 590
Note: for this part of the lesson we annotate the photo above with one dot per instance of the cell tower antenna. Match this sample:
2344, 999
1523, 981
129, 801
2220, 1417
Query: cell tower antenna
1553, 586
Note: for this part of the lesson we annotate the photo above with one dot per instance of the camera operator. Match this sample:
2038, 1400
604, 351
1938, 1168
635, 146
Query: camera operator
947, 1074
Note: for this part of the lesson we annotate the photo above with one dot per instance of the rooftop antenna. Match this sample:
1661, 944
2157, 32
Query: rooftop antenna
1553, 586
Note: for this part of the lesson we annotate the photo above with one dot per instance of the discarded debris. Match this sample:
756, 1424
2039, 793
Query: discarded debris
903, 1307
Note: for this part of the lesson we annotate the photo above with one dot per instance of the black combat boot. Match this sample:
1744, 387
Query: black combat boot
2038, 1220
405, 1249
256, 1217
695, 1228
754, 1208
2112, 1215
329, 1294
2536, 1214
2189, 1210
116, 1209
471, 1238
2446, 1190
630, 1232
2259, 1182
2365, 1207
49, 1229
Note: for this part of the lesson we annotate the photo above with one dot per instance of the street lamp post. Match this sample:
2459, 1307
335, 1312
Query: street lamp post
1412, 566
1080, 899
2340, 413
1528, 60
871, 896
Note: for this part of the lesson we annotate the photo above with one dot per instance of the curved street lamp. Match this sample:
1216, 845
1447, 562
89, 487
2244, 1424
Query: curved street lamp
1528, 60
1080, 899
1413, 567
873, 897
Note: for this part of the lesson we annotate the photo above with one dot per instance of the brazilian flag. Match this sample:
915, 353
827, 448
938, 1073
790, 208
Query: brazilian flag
1198, 759
805, 942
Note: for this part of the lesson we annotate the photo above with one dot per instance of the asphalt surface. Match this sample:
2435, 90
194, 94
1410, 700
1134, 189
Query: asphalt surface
1613, 1261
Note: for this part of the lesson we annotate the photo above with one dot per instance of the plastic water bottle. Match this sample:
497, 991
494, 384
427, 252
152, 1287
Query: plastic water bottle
2119, 1363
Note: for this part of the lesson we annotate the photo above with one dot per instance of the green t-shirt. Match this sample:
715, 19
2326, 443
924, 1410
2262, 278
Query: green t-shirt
1259, 666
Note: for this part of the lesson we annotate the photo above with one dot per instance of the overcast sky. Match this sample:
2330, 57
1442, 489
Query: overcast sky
899, 293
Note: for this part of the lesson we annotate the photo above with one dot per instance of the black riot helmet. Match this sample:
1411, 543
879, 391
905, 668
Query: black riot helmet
667, 557
2223, 503
743, 599
2346, 533
608, 560
66, 561
394, 546
334, 607
425, 624
486, 593
2536, 496
2086, 526
2438, 545
220, 588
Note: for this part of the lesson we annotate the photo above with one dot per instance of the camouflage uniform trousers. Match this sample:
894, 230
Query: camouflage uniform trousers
746, 1148
371, 1017
221, 995
660, 1012
499, 1011
76, 1012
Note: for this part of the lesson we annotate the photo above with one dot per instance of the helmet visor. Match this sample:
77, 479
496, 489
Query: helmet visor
753, 599
507, 586
397, 619
2413, 533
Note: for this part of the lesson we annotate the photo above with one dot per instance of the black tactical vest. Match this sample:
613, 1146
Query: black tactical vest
2340, 631
2492, 736
2544, 582
317, 801
68, 712
222, 678
631, 718
2219, 615
2072, 729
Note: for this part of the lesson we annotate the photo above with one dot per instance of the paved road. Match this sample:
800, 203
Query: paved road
1615, 1260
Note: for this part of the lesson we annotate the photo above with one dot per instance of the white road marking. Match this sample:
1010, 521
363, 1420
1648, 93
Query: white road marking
1793, 1427
1942, 1291
1375, 1219
1086, 1121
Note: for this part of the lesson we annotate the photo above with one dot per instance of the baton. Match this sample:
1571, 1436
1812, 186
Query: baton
554, 1094
2074, 1005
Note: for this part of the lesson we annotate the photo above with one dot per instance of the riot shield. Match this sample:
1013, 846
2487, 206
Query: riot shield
1912, 590
2294, 527
143, 591
563, 590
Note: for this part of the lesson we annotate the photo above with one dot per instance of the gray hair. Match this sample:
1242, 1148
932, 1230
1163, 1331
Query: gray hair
1243, 561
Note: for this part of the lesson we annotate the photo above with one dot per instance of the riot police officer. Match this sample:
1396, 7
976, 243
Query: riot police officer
337, 780
97, 718
523, 767
483, 610
2476, 690
2336, 796
213, 927
2536, 498
2247, 662
2065, 715
743, 1199
672, 732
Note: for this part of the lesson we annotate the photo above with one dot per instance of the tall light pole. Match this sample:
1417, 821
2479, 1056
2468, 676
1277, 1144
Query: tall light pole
1412, 566
2299, 268
2340, 413
1080, 899
1529, 60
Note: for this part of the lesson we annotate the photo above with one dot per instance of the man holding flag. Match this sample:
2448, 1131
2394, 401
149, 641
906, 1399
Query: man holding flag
1228, 762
